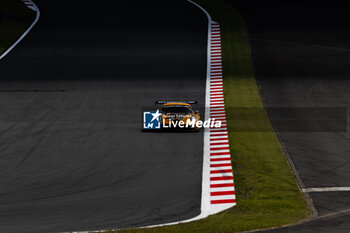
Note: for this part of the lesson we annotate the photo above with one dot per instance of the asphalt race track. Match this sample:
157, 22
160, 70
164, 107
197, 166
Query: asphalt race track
73, 156
301, 55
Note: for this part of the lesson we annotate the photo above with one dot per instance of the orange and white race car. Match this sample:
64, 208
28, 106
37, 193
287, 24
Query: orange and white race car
178, 114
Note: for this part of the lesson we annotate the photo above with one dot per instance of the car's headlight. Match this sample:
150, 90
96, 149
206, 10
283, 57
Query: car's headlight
193, 118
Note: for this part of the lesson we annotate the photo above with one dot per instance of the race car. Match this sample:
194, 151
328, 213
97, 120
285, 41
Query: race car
176, 114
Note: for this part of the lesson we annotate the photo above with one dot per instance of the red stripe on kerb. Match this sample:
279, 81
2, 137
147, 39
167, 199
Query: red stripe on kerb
220, 159
222, 193
220, 148
218, 135
221, 178
221, 165
218, 113
221, 171
218, 139
227, 201
219, 153
221, 185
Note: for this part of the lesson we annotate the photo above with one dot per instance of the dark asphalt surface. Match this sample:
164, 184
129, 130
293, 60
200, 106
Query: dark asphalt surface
301, 55
77, 159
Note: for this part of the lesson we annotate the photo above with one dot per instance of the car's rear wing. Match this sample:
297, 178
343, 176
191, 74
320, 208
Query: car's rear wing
176, 101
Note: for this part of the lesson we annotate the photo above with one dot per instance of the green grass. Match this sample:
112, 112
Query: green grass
15, 18
267, 192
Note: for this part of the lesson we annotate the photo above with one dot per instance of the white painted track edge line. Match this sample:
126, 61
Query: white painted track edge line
326, 189
24, 34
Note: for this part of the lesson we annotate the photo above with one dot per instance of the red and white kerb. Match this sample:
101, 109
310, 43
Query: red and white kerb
222, 190
29, 4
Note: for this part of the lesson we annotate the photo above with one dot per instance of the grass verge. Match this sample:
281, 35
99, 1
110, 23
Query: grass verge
266, 188
15, 18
